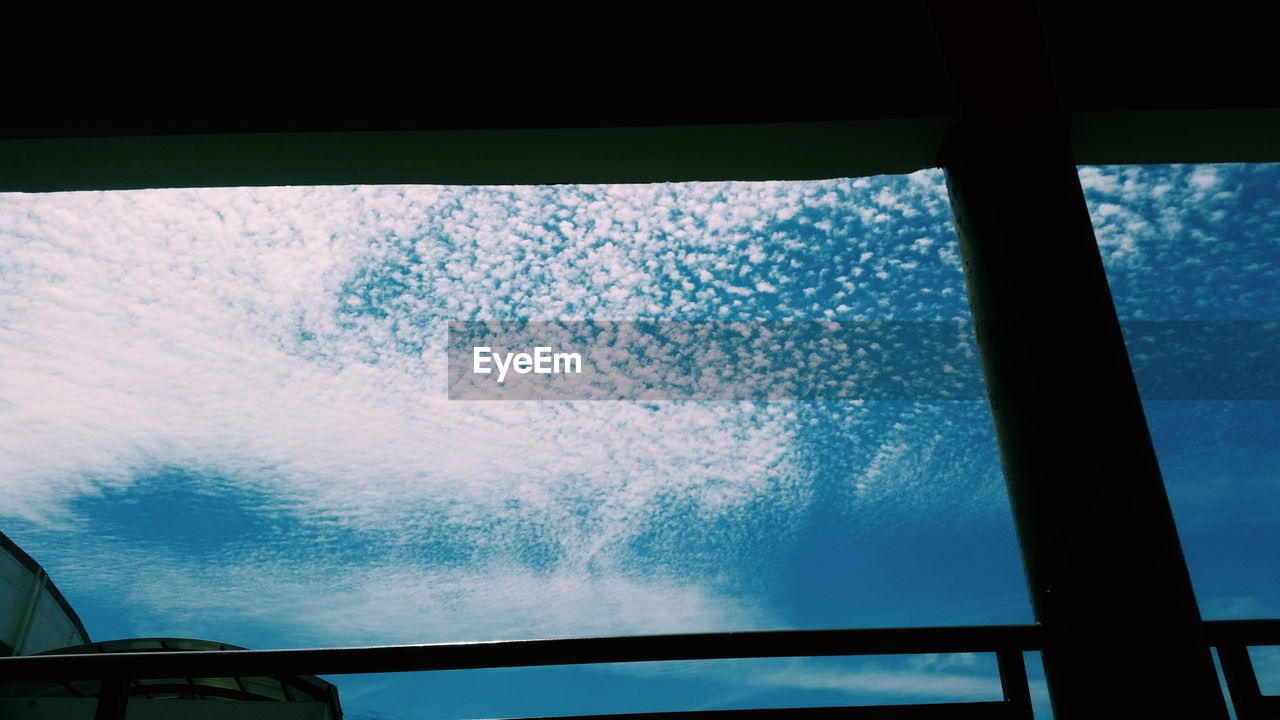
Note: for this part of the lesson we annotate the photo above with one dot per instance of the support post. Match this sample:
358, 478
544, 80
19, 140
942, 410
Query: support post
113, 699
1105, 569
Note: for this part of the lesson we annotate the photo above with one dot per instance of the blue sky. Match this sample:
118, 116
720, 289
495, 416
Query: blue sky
223, 415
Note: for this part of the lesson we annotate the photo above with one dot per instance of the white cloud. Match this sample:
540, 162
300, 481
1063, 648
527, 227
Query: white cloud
1204, 178
1170, 234
299, 601
887, 679
282, 341
915, 683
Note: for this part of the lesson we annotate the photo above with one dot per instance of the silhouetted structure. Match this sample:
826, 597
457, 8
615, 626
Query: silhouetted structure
288, 697
38, 621
34, 616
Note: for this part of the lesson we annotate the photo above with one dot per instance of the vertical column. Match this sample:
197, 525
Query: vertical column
113, 700
1105, 568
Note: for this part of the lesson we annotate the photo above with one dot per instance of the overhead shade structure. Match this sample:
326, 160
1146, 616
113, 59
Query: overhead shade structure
34, 616
302, 697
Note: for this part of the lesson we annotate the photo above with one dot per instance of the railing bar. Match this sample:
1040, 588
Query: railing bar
1013, 682
932, 711
520, 653
1237, 669
1242, 632
113, 700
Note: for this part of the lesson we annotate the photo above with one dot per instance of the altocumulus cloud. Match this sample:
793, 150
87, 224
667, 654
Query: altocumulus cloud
287, 344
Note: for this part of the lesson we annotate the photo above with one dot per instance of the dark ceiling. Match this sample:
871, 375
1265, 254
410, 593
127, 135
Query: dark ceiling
1144, 83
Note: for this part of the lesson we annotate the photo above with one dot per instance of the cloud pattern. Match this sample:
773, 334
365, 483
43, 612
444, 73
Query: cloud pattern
236, 397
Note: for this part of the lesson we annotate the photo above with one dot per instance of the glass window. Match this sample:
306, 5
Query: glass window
224, 416
1192, 254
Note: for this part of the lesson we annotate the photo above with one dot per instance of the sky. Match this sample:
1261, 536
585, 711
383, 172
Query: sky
224, 415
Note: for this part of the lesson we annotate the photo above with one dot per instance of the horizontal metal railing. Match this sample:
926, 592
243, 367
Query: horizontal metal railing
1008, 642
520, 653
1232, 638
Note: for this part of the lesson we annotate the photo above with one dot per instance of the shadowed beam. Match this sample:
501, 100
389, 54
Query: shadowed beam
520, 653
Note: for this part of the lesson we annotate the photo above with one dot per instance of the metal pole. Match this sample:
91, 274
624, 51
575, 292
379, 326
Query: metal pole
519, 653
113, 700
1108, 582
1013, 683
1237, 670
